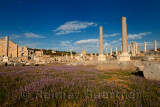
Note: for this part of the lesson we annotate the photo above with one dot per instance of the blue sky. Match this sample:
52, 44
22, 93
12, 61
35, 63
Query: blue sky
74, 24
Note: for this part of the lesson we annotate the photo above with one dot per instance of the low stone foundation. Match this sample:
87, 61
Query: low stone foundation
101, 58
124, 57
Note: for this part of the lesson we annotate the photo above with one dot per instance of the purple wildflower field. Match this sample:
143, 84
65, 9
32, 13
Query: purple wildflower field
60, 85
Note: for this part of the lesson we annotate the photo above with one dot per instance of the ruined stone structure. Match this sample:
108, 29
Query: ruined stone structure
8, 48
22, 51
83, 54
12, 50
53, 51
39, 53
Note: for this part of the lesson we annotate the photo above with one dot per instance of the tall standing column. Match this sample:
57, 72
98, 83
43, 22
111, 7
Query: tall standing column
155, 45
121, 48
124, 56
106, 52
139, 50
116, 50
124, 35
66, 55
111, 51
133, 49
129, 48
101, 40
71, 54
6, 45
144, 47
101, 56
136, 48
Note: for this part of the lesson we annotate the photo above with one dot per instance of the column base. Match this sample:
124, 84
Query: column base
91, 58
101, 58
5, 59
124, 57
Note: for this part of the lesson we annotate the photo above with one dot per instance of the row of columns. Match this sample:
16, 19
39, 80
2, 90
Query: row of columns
135, 48
125, 56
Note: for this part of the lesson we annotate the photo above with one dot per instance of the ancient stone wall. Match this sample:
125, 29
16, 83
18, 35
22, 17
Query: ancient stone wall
39, 53
12, 49
22, 51
2, 47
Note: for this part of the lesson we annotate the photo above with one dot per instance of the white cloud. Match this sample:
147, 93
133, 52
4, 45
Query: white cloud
112, 35
142, 43
106, 45
115, 41
88, 48
14, 36
29, 44
1, 37
73, 27
86, 42
65, 43
120, 39
32, 35
137, 36
66, 32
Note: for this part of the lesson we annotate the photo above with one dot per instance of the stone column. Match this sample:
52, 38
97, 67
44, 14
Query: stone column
5, 58
144, 47
91, 57
101, 40
129, 48
138, 50
106, 52
155, 45
67, 58
116, 50
71, 54
91, 54
101, 56
6, 45
133, 49
1, 58
121, 48
66, 55
124, 56
124, 35
98, 51
111, 51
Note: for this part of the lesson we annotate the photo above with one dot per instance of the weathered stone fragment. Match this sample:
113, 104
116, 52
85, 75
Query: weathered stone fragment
152, 72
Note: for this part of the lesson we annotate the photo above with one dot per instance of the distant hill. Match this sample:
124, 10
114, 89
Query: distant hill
158, 49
